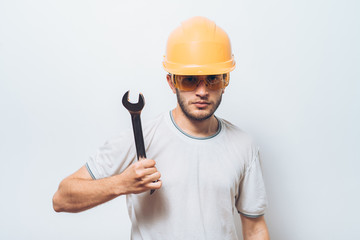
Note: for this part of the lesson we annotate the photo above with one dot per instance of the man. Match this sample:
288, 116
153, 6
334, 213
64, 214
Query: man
210, 169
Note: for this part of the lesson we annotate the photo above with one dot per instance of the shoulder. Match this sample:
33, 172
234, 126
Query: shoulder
239, 141
126, 136
155, 120
151, 125
234, 131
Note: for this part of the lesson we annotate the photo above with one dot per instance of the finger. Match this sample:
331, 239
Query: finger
152, 177
154, 185
147, 163
149, 171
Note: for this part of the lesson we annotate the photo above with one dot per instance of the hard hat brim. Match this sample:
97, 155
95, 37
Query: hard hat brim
193, 69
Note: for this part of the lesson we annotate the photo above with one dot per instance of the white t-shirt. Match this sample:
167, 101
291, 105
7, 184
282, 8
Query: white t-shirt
205, 181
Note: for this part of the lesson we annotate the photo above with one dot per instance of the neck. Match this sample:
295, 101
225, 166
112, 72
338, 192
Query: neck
196, 128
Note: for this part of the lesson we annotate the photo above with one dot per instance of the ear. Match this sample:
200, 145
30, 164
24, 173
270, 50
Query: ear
170, 82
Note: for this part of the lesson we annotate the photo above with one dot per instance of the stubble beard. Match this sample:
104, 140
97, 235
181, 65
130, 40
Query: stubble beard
196, 117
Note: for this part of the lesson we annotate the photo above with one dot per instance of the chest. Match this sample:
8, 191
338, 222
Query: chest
199, 168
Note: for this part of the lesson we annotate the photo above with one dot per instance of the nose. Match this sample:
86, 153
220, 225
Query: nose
201, 89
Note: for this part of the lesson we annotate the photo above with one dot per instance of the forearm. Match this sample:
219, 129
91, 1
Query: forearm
76, 195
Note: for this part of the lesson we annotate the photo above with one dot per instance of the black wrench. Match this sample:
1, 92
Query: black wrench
135, 111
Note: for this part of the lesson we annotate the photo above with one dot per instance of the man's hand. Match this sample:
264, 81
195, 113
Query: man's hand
139, 177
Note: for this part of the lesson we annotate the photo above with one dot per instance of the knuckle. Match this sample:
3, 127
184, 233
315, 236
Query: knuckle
151, 162
138, 173
135, 166
158, 175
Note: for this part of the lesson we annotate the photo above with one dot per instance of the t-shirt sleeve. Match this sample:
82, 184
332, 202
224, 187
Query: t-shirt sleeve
113, 157
252, 200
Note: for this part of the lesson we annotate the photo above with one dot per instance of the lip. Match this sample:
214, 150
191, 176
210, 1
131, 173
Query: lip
201, 104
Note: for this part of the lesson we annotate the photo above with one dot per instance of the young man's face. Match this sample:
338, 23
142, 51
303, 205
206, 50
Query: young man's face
200, 103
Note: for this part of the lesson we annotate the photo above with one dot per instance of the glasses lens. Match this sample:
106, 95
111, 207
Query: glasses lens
189, 83
215, 82
186, 83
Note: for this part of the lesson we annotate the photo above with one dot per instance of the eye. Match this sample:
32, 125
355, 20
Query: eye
214, 79
188, 80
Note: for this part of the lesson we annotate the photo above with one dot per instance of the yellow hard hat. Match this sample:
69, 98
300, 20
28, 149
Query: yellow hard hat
198, 47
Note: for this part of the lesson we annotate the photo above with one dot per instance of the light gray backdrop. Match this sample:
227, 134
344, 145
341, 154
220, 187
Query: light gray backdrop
64, 66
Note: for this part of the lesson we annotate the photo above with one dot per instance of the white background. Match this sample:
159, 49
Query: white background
64, 66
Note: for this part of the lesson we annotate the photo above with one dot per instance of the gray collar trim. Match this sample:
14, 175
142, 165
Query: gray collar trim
193, 137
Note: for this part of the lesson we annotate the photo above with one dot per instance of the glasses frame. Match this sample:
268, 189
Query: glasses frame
225, 78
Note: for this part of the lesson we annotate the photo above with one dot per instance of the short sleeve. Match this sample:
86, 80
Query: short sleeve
113, 157
252, 200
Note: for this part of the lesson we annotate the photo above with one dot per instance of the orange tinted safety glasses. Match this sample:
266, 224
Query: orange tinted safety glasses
190, 82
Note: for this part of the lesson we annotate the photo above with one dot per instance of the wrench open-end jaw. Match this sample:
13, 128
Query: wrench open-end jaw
133, 107
135, 111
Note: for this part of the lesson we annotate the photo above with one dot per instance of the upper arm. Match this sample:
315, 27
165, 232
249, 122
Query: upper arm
251, 197
82, 173
254, 227
250, 222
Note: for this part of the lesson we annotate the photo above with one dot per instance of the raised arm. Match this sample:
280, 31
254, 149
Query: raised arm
80, 192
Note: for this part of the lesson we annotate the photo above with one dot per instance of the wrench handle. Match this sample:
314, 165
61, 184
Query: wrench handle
139, 139
138, 135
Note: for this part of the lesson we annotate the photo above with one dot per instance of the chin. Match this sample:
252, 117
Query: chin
199, 115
